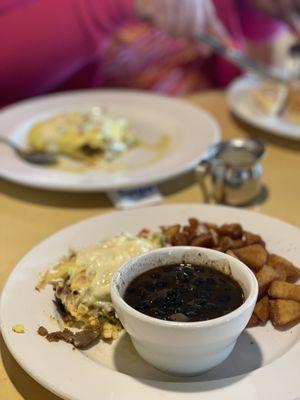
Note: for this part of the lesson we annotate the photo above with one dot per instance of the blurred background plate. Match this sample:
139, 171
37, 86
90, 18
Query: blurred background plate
241, 104
184, 132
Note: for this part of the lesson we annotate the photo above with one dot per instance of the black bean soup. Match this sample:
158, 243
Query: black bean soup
184, 292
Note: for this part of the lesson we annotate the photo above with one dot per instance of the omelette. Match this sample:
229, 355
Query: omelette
86, 136
81, 280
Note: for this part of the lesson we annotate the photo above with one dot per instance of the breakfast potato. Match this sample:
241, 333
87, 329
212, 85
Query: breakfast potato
193, 222
235, 231
253, 321
179, 239
252, 238
284, 290
283, 312
170, 231
215, 236
262, 310
231, 253
282, 273
285, 267
254, 256
264, 278
225, 243
203, 240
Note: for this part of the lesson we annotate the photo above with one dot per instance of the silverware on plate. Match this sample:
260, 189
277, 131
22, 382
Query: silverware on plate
232, 172
31, 156
245, 63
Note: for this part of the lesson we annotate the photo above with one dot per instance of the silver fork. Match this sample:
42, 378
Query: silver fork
31, 156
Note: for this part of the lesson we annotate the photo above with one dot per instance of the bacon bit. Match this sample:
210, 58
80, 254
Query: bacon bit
144, 232
42, 331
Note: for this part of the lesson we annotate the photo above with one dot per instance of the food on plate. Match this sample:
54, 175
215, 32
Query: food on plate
248, 247
264, 278
270, 98
274, 99
86, 136
284, 312
80, 339
254, 256
293, 106
284, 290
81, 280
18, 328
284, 267
262, 309
253, 321
42, 331
184, 293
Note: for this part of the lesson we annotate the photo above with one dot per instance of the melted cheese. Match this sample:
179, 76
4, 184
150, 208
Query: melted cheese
95, 265
87, 274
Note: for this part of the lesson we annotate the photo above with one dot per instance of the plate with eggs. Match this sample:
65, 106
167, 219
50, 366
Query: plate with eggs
104, 139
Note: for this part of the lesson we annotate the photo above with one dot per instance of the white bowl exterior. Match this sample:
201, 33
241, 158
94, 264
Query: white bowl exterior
184, 348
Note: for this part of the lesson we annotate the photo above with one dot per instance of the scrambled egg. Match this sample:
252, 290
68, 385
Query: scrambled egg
19, 328
84, 136
82, 280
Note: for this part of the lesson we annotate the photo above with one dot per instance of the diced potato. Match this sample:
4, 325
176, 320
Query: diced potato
180, 239
231, 253
254, 256
262, 310
282, 273
203, 240
252, 238
264, 278
284, 290
285, 267
170, 231
235, 231
283, 312
253, 321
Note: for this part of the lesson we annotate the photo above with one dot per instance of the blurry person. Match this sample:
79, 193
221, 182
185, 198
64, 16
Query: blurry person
51, 45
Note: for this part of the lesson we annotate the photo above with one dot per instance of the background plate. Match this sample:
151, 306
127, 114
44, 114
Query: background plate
190, 129
241, 104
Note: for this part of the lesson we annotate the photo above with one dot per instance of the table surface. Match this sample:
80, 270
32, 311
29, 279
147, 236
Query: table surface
29, 216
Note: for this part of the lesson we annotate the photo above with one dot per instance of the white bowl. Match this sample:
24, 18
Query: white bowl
184, 348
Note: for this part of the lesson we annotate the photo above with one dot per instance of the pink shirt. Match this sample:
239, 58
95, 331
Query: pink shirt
48, 45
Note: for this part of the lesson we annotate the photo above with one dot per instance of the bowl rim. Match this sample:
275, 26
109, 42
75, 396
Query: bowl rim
252, 295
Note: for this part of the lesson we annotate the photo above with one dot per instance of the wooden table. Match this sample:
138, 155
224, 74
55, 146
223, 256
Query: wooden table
29, 216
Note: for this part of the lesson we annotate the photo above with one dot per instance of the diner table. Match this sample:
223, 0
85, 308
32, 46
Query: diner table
28, 215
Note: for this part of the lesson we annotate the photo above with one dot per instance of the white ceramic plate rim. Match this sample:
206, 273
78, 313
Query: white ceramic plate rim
77, 384
135, 181
283, 129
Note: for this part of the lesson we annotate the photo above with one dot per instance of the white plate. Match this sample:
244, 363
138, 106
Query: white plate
241, 104
264, 364
191, 132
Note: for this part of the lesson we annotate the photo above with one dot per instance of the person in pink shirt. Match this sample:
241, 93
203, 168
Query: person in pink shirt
52, 45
